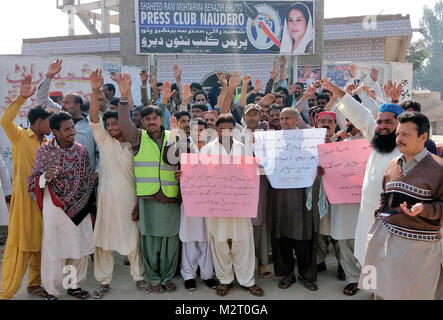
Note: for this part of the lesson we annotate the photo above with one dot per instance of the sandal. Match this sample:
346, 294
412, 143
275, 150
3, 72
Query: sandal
223, 289
38, 291
155, 288
79, 293
287, 281
141, 285
101, 291
255, 290
351, 289
264, 273
170, 286
308, 285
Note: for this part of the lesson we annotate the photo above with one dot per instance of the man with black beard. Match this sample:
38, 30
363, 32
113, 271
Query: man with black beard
381, 134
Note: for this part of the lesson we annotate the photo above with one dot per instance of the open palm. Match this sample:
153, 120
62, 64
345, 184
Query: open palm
96, 79
27, 89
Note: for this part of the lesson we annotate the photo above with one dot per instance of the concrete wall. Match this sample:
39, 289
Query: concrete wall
432, 107
317, 59
128, 37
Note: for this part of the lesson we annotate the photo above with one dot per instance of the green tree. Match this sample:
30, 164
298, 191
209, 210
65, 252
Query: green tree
432, 75
417, 54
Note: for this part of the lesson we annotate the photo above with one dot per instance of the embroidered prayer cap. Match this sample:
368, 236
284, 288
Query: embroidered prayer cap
56, 94
325, 113
391, 107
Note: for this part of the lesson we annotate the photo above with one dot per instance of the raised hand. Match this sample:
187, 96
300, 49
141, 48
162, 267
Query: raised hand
167, 93
124, 83
353, 89
222, 78
374, 74
173, 123
177, 73
330, 86
97, 79
352, 70
388, 88
144, 76
54, 68
235, 79
308, 71
152, 81
27, 90
114, 76
282, 60
246, 80
267, 100
415, 210
274, 73
371, 94
258, 85
317, 84
396, 92
186, 94
310, 91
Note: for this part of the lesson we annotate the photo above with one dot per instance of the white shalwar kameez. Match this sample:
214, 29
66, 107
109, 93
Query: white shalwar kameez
231, 239
114, 229
65, 247
377, 164
196, 251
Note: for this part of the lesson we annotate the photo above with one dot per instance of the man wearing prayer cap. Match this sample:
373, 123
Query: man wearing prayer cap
381, 133
56, 96
328, 120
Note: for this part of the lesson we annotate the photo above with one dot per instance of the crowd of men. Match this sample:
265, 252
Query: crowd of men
91, 179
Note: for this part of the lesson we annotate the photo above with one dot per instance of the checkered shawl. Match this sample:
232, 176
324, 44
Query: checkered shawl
71, 189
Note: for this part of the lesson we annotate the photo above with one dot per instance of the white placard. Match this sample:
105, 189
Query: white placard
289, 157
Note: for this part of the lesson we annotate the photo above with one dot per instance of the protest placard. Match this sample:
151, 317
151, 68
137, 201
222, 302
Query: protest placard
289, 157
345, 166
227, 188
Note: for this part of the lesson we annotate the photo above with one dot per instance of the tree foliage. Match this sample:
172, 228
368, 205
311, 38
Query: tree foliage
431, 76
417, 54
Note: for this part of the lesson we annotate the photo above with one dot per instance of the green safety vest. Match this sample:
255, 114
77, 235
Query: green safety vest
151, 172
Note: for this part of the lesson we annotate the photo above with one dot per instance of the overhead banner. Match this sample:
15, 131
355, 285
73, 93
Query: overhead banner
225, 27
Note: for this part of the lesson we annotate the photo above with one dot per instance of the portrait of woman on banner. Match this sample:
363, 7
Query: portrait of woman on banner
298, 32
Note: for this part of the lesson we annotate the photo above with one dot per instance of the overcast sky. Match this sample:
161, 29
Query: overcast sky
21, 19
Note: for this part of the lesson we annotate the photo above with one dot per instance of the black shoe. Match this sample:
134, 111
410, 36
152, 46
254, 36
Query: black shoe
341, 273
307, 284
321, 267
211, 283
191, 285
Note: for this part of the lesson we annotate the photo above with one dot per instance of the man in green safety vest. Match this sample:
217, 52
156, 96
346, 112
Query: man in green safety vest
157, 189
